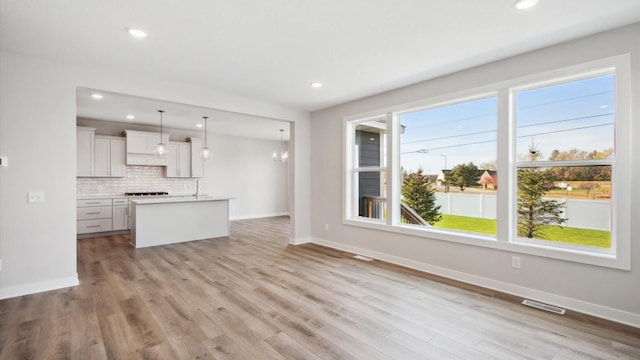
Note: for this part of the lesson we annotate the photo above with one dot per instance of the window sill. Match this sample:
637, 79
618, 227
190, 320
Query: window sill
597, 258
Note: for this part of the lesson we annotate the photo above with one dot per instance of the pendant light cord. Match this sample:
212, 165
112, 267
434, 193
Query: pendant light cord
161, 111
205, 130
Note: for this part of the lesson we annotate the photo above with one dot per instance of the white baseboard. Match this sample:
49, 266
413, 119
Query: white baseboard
300, 240
257, 216
596, 310
32, 288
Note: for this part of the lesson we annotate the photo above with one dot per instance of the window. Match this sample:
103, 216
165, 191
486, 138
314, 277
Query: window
368, 163
558, 142
448, 162
565, 154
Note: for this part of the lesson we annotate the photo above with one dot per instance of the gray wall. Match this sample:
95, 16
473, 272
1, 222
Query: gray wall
605, 292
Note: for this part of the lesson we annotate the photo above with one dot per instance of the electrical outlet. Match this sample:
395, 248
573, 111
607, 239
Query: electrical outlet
515, 262
326, 227
35, 196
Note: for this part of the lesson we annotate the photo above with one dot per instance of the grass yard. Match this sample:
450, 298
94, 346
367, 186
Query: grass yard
586, 237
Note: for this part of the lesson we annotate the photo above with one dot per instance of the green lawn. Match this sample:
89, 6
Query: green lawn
597, 238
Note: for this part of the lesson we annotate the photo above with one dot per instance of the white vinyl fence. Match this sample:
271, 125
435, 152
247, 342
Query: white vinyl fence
584, 214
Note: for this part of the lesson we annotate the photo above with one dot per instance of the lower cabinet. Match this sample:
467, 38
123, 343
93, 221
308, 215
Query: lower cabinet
94, 215
120, 214
101, 215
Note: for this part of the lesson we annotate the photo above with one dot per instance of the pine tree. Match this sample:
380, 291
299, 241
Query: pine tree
419, 194
536, 214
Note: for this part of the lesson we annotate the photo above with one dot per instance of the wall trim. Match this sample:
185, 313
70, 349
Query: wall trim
37, 287
300, 240
584, 307
257, 216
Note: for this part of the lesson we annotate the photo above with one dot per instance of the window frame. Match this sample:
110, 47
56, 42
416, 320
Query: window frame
352, 171
618, 256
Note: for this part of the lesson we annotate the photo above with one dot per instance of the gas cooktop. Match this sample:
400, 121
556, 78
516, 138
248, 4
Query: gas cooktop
156, 193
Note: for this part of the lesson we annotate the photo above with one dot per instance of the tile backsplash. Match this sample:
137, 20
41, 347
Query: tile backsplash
138, 179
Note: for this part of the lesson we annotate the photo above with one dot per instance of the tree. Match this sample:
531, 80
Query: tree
581, 173
419, 194
489, 165
463, 176
536, 214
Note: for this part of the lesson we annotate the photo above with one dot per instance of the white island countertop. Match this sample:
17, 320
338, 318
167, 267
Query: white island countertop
177, 199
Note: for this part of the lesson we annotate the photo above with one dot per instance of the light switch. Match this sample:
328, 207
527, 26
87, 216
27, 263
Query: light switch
4, 161
35, 196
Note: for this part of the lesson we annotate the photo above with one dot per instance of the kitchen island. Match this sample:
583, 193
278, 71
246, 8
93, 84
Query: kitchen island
161, 221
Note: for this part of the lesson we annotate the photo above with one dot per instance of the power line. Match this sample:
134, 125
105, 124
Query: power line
565, 130
518, 127
520, 108
567, 99
521, 136
449, 137
564, 120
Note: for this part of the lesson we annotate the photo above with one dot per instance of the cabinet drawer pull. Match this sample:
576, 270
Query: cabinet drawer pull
91, 203
94, 226
93, 213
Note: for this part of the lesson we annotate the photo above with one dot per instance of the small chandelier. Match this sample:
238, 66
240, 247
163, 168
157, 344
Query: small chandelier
282, 157
161, 148
205, 154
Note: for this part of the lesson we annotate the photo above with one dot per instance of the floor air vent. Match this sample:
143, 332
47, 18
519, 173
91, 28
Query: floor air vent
361, 257
545, 307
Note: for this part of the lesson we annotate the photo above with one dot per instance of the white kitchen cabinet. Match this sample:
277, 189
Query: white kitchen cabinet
140, 146
120, 214
118, 156
179, 159
94, 215
84, 150
197, 164
109, 158
99, 156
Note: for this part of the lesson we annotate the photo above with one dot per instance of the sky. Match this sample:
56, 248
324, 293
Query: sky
577, 114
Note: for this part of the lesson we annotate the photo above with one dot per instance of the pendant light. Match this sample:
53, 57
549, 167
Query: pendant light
161, 148
284, 154
205, 154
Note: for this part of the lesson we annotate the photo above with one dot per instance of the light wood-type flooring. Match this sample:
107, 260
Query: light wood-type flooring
250, 296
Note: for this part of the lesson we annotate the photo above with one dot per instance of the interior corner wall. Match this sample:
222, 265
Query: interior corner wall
300, 162
243, 168
600, 291
37, 134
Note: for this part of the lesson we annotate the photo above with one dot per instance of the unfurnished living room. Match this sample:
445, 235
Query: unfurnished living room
319, 179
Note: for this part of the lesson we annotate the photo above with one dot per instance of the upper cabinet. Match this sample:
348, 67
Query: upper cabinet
197, 164
109, 157
179, 159
141, 145
85, 148
99, 156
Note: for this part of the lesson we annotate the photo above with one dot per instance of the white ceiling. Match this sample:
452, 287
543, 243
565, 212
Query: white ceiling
272, 49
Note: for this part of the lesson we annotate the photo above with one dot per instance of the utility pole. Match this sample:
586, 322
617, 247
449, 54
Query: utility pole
446, 183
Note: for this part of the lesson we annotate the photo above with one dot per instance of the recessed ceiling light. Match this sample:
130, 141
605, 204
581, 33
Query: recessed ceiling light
130, 117
97, 96
198, 125
525, 4
604, 106
316, 84
137, 33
